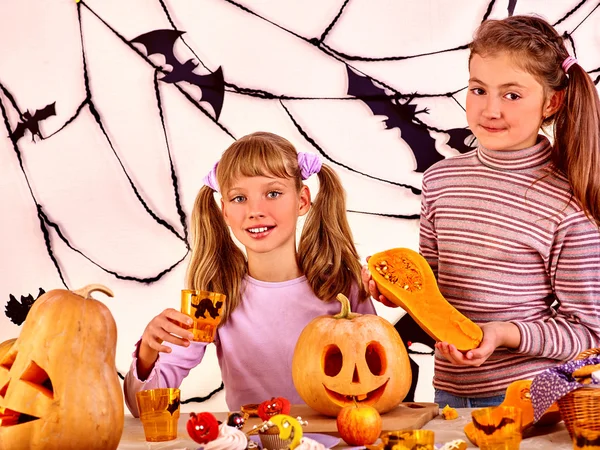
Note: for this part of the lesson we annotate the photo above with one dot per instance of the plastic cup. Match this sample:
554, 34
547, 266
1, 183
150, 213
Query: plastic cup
408, 439
205, 309
159, 413
498, 427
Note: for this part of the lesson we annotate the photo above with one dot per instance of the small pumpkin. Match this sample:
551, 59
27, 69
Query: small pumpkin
347, 358
59, 387
518, 395
270, 408
405, 278
202, 427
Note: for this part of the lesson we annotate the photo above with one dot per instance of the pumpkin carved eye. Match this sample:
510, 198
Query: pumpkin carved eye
375, 357
333, 360
38, 378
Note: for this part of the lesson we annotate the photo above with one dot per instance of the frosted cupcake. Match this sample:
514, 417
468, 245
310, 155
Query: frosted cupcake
281, 432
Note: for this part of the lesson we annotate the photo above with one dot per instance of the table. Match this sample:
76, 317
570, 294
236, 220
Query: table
537, 438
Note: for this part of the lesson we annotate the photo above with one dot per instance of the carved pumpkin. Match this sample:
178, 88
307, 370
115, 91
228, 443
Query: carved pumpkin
59, 387
347, 358
405, 278
5, 346
518, 395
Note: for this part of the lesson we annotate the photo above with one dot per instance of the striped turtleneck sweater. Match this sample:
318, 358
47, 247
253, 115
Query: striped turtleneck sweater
508, 243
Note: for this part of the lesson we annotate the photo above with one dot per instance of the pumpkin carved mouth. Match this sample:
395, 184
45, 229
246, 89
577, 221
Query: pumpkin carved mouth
345, 399
9, 418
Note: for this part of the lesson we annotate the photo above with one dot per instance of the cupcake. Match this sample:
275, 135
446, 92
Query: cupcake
280, 432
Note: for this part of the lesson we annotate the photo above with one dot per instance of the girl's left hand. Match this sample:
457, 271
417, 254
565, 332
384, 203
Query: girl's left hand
495, 334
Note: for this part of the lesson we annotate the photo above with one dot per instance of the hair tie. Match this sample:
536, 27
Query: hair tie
309, 164
568, 62
210, 179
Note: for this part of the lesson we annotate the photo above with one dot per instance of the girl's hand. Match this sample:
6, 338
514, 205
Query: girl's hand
166, 327
372, 287
495, 334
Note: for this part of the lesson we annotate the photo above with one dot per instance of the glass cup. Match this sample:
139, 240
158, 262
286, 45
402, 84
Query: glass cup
586, 435
205, 309
159, 413
498, 428
408, 439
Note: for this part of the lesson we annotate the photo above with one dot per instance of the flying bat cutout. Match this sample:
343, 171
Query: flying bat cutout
462, 139
163, 42
399, 115
491, 429
17, 310
172, 407
31, 122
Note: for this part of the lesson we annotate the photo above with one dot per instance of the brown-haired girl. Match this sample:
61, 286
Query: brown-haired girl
511, 228
273, 290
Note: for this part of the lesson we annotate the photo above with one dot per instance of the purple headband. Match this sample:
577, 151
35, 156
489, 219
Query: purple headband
568, 62
309, 164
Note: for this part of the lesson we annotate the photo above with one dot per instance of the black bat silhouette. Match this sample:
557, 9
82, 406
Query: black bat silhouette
461, 139
207, 305
163, 42
31, 122
399, 115
17, 311
172, 408
490, 429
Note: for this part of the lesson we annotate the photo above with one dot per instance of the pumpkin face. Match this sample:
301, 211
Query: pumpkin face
58, 382
350, 358
270, 408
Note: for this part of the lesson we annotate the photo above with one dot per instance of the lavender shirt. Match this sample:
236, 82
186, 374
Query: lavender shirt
254, 348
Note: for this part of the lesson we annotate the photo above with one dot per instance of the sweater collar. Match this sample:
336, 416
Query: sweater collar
525, 158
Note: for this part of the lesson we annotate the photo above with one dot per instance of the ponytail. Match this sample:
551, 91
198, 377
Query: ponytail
576, 151
326, 253
217, 264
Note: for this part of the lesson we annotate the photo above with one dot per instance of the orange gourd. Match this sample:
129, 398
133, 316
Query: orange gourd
5, 346
405, 278
59, 388
518, 395
350, 358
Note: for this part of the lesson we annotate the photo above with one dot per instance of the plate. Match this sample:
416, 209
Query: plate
325, 439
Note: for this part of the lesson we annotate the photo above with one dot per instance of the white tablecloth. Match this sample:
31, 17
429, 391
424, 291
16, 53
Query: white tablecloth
542, 438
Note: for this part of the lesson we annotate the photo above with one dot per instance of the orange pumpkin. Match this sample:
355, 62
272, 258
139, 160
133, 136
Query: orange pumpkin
518, 394
406, 279
59, 387
5, 346
347, 358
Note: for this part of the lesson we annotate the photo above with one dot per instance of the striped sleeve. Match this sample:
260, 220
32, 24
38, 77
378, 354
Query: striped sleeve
427, 234
575, 277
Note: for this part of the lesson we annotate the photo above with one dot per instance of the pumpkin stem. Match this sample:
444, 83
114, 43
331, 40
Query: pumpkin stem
86, 291
345, 313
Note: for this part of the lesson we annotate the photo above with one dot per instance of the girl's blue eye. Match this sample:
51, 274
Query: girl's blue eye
273, 194
238, 199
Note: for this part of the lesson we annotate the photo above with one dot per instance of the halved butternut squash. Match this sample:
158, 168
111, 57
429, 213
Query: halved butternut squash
405, 278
